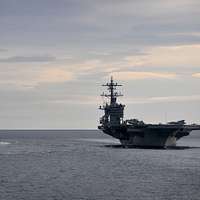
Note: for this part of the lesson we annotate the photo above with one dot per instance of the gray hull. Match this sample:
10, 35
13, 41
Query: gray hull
150, 141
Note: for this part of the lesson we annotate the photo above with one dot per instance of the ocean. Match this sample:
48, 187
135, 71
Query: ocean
88, 165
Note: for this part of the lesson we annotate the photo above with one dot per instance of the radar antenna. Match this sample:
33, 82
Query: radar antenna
112, 86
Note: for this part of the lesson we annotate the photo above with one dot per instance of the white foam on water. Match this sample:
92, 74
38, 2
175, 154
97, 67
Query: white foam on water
101, 140
4, 143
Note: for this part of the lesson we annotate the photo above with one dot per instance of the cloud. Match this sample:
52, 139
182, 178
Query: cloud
94, 100
131, 75
29, 78
78, 99
87, 65
153, 62
98, 23
22, 59
3, 50
164, 99
55, 75
168, 56
196, 75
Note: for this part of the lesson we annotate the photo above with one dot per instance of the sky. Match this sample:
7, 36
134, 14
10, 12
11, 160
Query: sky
54, 56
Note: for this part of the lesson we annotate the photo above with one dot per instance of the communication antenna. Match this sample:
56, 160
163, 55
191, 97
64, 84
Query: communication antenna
112, 94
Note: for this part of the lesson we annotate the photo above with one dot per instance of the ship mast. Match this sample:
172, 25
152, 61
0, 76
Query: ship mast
112, 93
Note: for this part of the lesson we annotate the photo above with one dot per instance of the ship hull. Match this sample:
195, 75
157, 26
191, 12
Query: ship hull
150, 141
153, 136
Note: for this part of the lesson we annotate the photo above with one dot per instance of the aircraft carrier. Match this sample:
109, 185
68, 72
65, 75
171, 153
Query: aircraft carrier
133, 132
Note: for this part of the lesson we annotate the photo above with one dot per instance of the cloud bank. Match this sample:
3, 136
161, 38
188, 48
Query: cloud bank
59, 53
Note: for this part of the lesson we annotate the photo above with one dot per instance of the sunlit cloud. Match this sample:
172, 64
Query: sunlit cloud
191, 33
168, 56
130, 75
78, 99
94, 100
196, 75
29, 78
160, 57
87, 65
55, 75
152, 64
164, 99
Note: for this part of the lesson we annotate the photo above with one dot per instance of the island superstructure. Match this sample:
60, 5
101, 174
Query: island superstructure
134, 132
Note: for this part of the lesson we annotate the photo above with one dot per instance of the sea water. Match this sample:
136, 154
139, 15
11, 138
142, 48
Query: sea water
88, 165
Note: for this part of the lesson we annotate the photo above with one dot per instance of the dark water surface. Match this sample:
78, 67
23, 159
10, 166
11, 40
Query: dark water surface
87, 165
